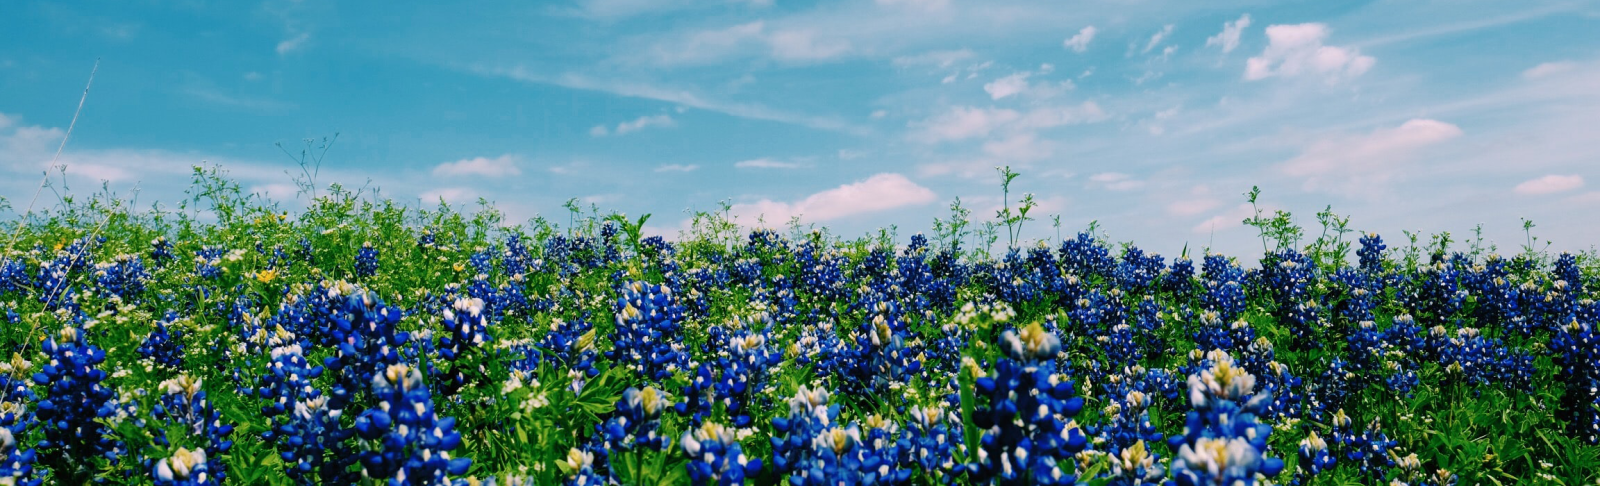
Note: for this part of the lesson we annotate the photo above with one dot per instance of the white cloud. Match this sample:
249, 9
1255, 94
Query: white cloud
876, 114
709, 45
803, 45
692, 99
293, 43
880, 192
1080, 41
767, 163
1361, 163
1155, 40
938, 59
1549, 68
745, 39
1116, 181
276, 192
851, 154
929, 5
1231, 218
504, 165
1023, 147
1055, 116
633, 125
1229, 38
450, 195
1191, 207
677, 168
1294, 50
1007, 86
1591, 197
1550, 184
965, 122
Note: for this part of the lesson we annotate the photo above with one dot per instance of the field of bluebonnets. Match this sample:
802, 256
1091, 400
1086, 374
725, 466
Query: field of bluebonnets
225, 340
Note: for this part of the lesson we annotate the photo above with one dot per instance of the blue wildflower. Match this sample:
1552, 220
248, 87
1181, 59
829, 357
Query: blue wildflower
413, 444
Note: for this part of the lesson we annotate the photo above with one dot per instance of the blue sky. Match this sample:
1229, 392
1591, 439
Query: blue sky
1150, 117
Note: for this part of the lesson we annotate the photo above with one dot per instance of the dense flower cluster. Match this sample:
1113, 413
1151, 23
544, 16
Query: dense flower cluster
353, 348
1222, 443
412, 444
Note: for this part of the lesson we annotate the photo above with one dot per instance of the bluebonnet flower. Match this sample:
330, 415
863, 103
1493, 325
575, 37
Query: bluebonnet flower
1369, 450
648, 322
571, 345
1576, 346
468, 331
716, 457
1128, 396
481, 261
1483, 361
1224, 287
208, 262
1434, 292
1370, 256
1135, 465
933, 436
364, 330
1314, 455
74, 401
1027, 418
413, 443
123, 278
881, 360
1085, 258
742, 373
185, 468
579, 470
161, 250
637, 422
815, 450
306, 252
1137, 271
516, 258
366, 260
16, 458
164, 346
1221, 442
1179, 278
183, 406
13, 275
304, 429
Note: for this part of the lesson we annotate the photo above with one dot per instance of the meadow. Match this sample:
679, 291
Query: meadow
224, 339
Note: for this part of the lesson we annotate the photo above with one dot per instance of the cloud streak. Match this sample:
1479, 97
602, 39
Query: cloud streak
878, 193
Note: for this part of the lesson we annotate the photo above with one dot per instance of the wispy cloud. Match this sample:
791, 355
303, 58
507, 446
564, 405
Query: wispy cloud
880, 192
1080, 42
293, 43
504, 165
1155, 40
449, 195
938, 59
1116, 181
766, 163
1364, 163
1549, 69
1550, 184
1228, 39
685, 97
1007, 86
1296, 50
677, 168
634, 125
